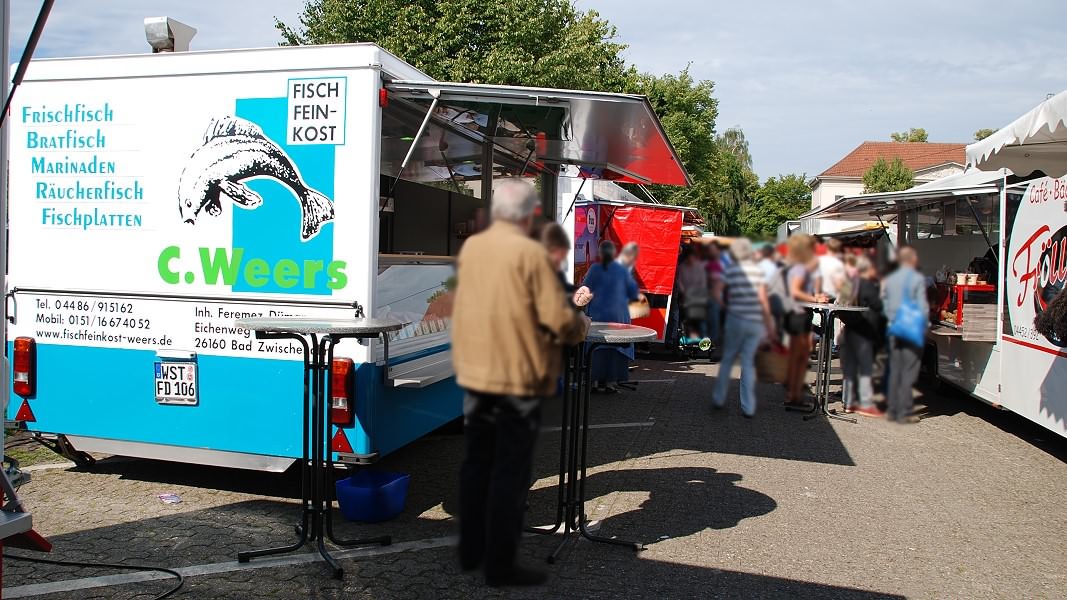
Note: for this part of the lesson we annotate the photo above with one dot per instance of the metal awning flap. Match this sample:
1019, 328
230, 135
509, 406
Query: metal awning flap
865, 207
876, 206
609, 136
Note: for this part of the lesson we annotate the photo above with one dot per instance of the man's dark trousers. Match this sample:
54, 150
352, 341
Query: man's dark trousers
500, 434
904, 362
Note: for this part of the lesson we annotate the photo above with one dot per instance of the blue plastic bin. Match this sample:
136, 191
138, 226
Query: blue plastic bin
372, 496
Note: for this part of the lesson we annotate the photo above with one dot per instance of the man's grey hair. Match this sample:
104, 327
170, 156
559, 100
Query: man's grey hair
863, 264
630, 249
742, 250
514, 200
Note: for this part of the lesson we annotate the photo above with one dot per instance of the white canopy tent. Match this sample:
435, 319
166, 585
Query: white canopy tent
1036, 141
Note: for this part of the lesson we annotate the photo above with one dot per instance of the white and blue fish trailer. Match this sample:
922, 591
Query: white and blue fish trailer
156, 199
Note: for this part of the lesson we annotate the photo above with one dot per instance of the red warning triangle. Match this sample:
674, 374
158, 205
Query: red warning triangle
339, 442
25, 414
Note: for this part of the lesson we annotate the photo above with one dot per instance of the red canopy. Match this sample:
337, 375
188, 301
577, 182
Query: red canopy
657, 231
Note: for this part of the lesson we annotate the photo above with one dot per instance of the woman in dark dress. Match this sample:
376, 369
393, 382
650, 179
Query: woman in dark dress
613, 289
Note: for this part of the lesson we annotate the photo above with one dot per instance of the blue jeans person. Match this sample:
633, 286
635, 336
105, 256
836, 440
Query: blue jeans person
742, 338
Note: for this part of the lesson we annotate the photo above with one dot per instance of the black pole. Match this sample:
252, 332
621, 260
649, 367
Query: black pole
27, 54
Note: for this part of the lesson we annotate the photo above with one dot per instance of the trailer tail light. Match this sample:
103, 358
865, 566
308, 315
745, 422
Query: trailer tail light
383, 97
24, 371
342, 373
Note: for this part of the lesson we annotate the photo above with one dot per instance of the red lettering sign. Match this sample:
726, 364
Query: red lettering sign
1032, 269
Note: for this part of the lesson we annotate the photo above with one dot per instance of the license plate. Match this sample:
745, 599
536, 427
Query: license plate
176, 383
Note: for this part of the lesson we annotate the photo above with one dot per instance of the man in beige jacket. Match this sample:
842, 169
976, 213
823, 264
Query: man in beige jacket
510, 321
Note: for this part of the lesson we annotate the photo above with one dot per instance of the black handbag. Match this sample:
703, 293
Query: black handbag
797, 323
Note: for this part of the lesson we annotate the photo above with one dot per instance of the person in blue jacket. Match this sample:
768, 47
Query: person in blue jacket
613, 289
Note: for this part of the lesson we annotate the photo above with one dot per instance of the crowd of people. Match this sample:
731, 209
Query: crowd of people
515, 313
762, 295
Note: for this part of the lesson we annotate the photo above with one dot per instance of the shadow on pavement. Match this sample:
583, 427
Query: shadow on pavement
670, 580
651, 579
680, 502
588, 571
944, 401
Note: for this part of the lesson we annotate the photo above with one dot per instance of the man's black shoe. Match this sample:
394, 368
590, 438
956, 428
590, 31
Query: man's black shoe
520, 577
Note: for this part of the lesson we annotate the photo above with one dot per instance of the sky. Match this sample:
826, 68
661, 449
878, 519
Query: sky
806, 81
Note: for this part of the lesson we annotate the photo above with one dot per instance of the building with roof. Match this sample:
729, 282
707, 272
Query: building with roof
929, 162
845, 178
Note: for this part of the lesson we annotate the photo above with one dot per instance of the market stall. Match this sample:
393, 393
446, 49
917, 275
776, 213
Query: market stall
657, 230
1034, 266
378, 175
992, 242
951, 223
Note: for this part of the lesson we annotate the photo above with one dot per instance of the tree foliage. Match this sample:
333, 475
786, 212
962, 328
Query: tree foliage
541, 43
983, 133
886, 176
915, 134
735, 183
779, 199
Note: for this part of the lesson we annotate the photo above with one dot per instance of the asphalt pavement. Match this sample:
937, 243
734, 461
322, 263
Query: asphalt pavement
968, 503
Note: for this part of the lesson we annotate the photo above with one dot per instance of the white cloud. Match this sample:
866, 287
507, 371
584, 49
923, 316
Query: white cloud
809, 81
95, 27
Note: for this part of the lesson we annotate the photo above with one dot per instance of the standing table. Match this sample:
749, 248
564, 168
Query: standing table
574, 431
825, 357
318, 337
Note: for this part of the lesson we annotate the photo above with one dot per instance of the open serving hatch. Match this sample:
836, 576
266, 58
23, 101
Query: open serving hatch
439, 131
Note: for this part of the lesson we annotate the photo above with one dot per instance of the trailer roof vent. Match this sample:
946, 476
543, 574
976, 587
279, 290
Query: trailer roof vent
165, 34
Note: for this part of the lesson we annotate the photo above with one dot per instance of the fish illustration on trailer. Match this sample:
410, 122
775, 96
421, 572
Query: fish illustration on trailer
234, 152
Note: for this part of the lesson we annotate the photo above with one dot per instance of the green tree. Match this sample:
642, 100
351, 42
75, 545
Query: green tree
915, 134
733, 141
544, 43
734, 182
779, 199
983, 133
885, 176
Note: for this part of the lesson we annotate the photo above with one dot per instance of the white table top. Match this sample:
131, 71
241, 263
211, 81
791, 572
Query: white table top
834, 307
321, 325
618, 333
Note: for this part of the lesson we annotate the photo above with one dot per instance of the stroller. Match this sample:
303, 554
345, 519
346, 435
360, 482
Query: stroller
693, 338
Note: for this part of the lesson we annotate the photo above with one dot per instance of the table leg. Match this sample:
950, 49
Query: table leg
568, 381
330, 491
570, 501
306, 525
318, 466
585, 382
580, 500
826, 355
